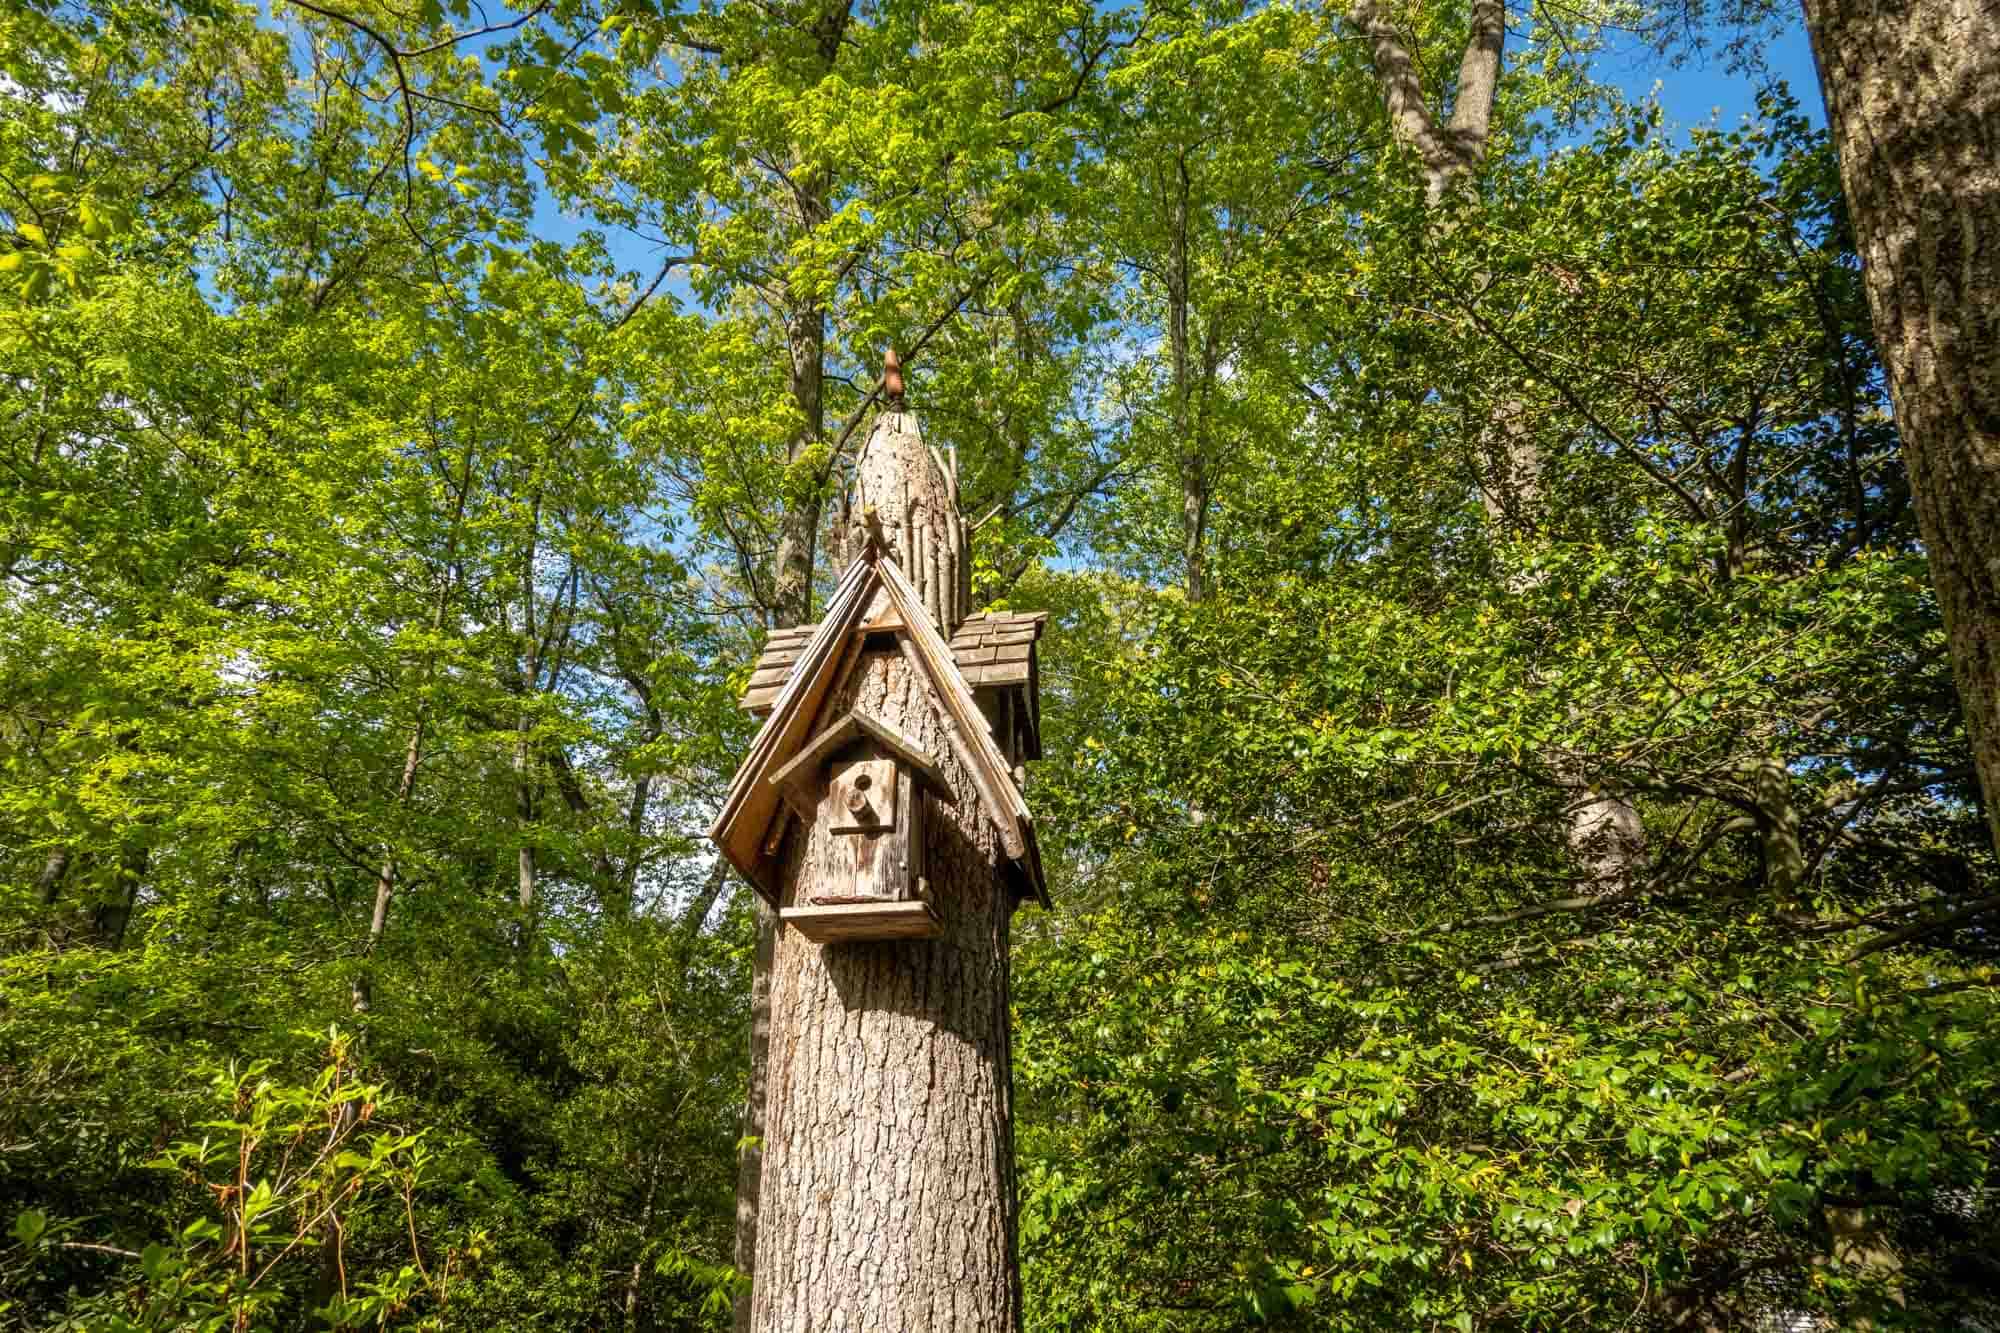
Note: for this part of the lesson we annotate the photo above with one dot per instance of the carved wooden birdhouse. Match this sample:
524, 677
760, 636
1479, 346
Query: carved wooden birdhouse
831, 811
862, 787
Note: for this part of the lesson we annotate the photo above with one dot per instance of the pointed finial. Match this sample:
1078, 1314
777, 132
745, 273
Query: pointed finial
892, 378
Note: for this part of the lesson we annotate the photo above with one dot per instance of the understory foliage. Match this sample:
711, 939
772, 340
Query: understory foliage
1514, 846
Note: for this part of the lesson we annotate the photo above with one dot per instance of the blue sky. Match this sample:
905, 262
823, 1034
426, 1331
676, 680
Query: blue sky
1708, 92
1699, 92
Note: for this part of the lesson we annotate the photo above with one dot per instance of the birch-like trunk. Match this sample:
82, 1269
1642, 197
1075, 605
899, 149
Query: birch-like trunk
1603, 830
1913, 98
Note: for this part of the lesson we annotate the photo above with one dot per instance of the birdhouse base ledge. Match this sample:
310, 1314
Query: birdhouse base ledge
884, 920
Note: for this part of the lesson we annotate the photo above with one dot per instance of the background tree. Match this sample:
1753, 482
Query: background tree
1911, 103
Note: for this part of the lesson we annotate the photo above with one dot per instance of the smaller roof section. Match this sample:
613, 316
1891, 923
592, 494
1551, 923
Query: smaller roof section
795, 778
998, 647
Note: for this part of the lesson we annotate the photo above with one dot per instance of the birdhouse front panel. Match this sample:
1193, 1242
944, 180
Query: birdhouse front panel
872, 825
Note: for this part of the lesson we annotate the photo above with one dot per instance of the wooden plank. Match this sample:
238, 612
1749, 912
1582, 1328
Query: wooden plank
834, 923
746, 813
988, 767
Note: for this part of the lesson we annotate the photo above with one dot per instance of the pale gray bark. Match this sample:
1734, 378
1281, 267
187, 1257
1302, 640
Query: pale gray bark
1913, 99
1451, 152
48, 884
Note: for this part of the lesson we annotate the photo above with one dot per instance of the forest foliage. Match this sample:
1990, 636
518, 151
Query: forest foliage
1515, 853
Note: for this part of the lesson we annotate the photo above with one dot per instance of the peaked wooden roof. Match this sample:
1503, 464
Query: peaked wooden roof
991, 648
751, 823
794, 779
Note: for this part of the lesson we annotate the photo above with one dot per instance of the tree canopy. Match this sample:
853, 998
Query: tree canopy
1516, 851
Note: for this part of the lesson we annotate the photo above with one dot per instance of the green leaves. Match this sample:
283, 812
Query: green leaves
29, 1226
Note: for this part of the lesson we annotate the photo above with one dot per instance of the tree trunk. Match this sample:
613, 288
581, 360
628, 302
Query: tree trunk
750, 1160
798, 526
48, 884
888, 1186
1452, 152
524, 817
110, 918
1192, 457
1913, 97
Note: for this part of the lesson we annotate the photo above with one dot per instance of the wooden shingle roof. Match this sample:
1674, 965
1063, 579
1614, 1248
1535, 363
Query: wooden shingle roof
804, 667
992, 648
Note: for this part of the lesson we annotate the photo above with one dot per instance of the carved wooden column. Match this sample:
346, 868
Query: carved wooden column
880, 809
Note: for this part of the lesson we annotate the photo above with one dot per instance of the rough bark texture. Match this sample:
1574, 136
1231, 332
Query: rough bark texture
888, 1191
915, 499
1913, 96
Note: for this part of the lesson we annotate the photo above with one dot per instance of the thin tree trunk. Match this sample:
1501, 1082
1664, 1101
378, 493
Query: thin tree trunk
109, 919
524, 814
362, 994
1913, 98
48, 884
750, 1160
636, 1281
704, 902
1192, 457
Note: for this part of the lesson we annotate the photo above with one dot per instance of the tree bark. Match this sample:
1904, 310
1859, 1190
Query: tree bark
889, 1190
1188, 433
798, 526
48, 884
750, 1160
1913, 98
1452, 152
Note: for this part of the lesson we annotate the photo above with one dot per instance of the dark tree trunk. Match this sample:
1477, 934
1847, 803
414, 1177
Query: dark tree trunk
750, 1161
1913, 97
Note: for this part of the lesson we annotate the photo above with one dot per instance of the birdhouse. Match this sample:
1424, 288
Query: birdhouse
861, 789
864, 786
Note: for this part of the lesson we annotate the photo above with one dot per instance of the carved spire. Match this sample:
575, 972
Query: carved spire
915, 498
